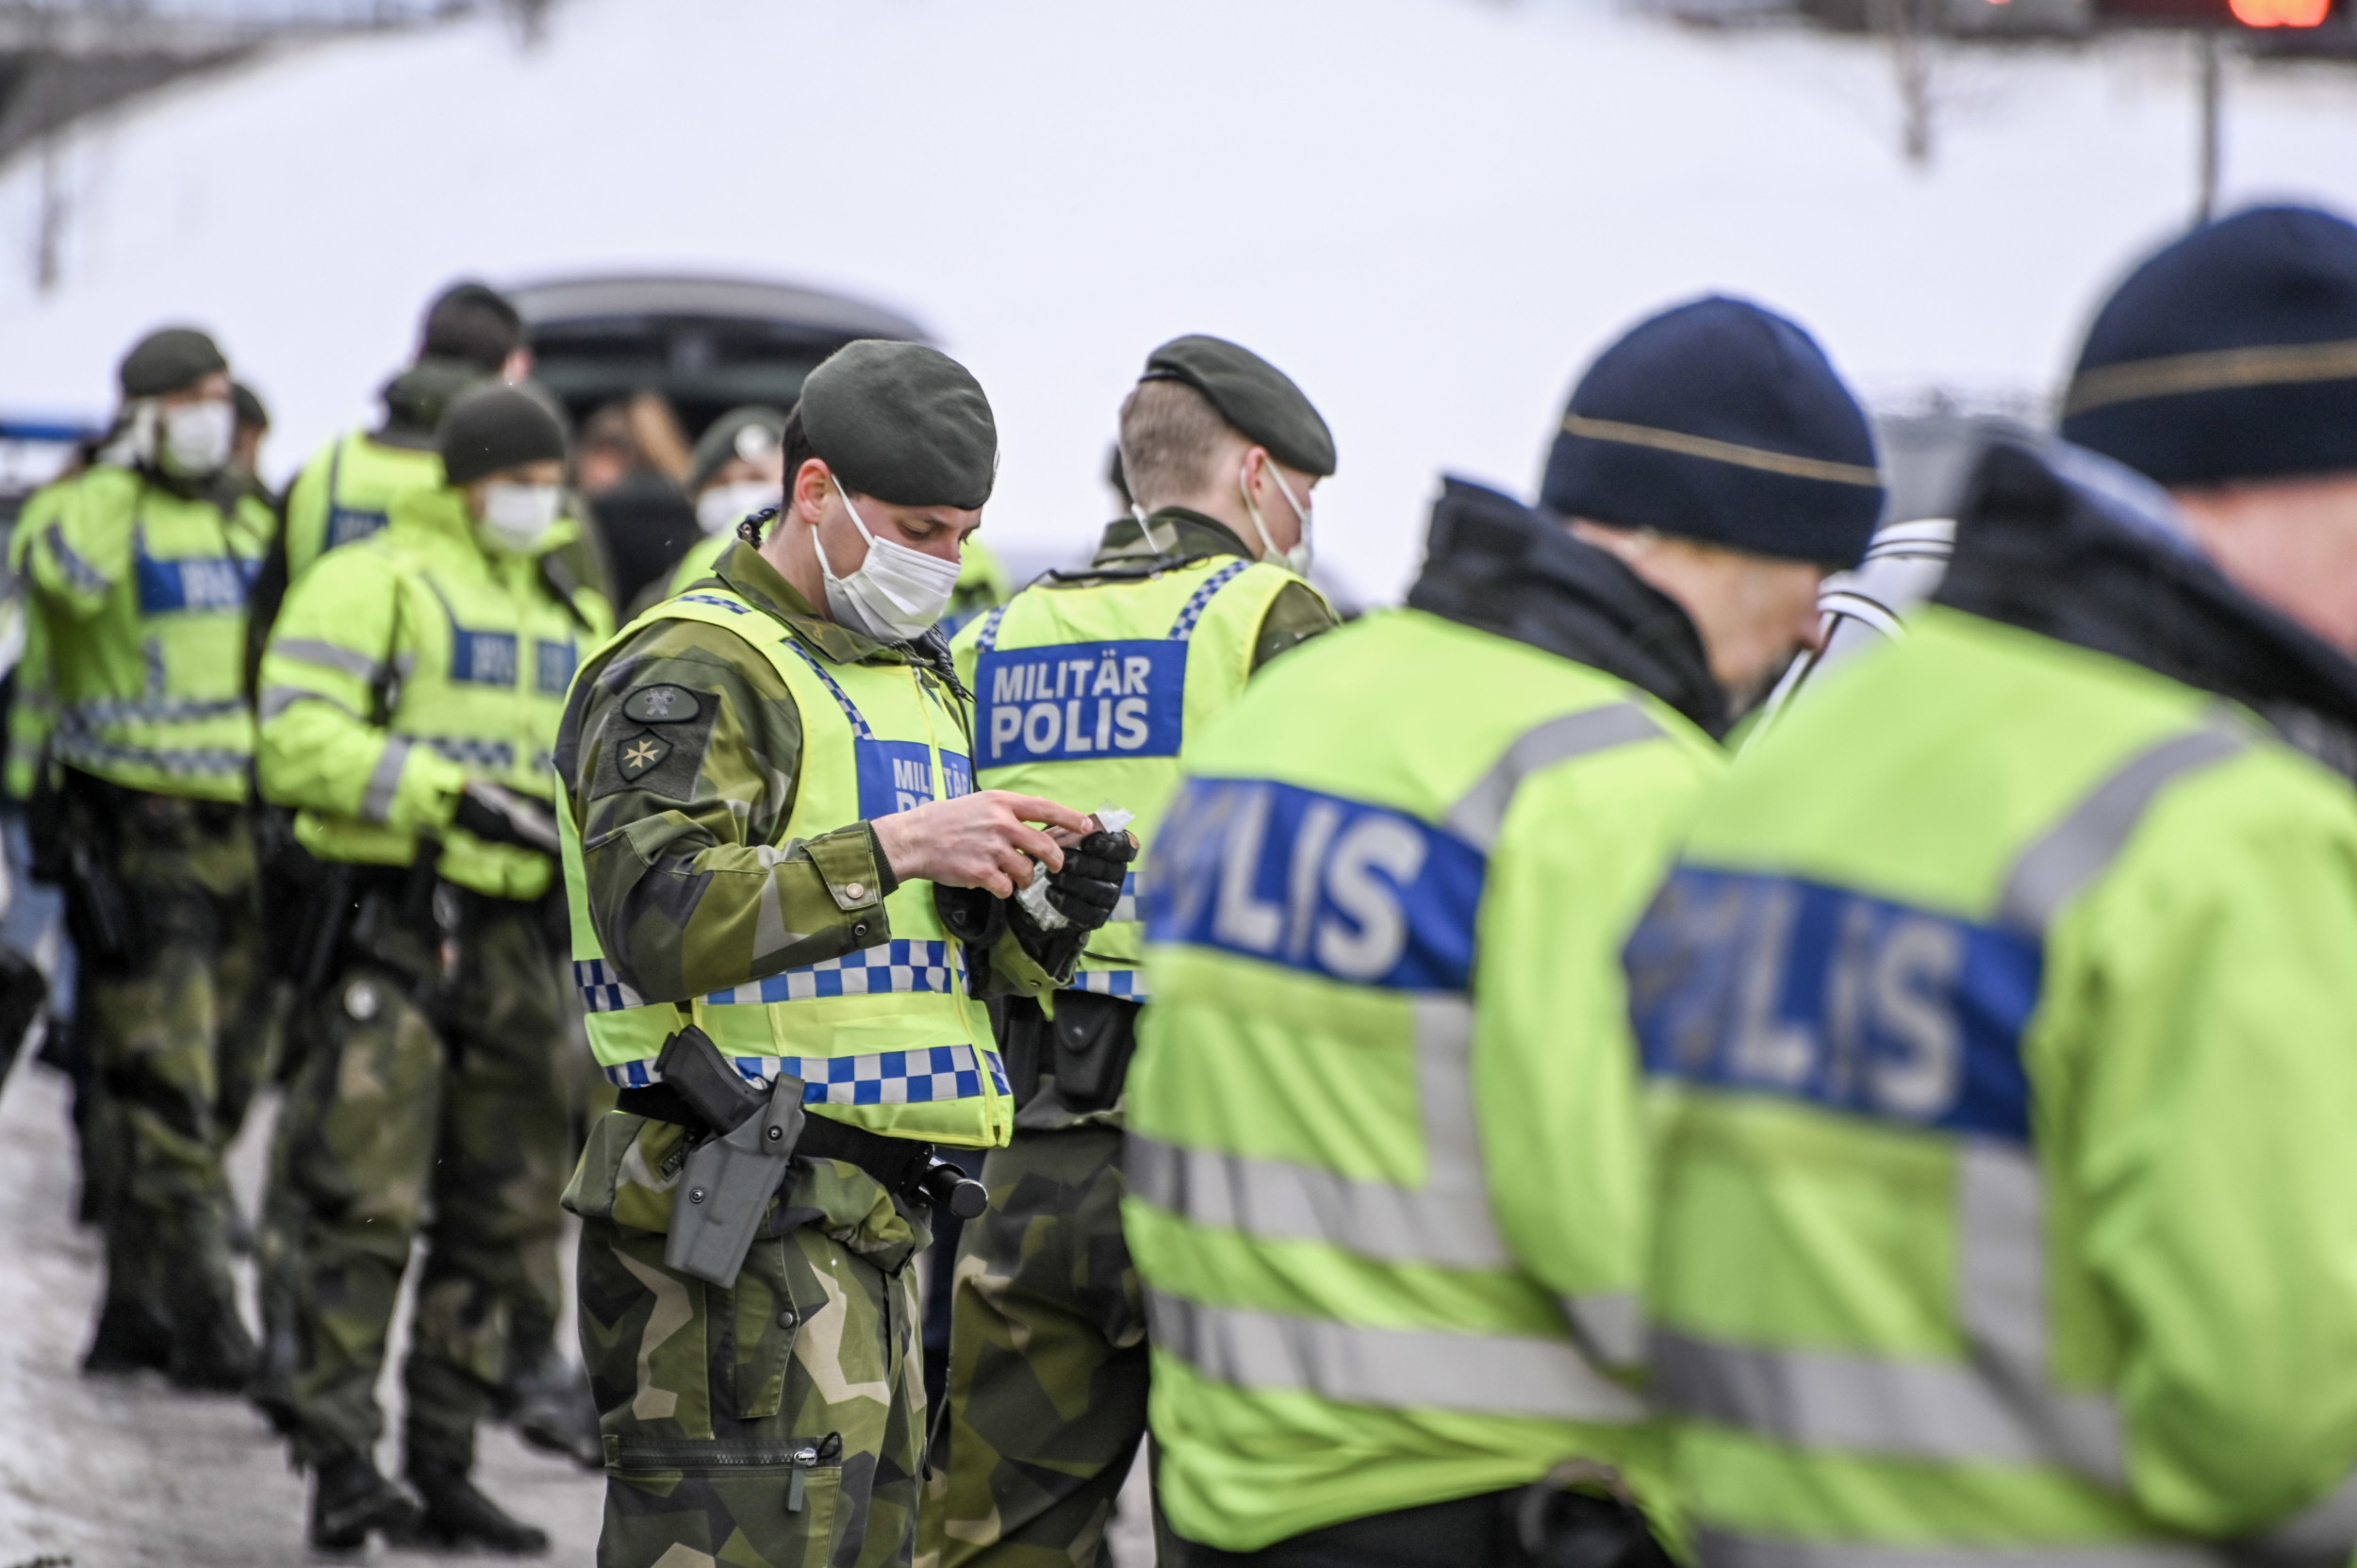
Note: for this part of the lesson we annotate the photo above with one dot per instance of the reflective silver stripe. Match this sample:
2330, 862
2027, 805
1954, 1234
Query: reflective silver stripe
1272, 1201
152, 710
1446, 1222
78, 571
376, 802
329, 655
1610, 1327
1720, 1548
1911, 1409
2324, 1532
277, 700
1394, 1368
2079, 848
1480, 816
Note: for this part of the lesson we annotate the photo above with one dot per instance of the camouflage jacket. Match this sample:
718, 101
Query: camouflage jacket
690, 886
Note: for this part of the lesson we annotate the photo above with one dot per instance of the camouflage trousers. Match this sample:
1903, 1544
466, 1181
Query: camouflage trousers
180, 1038
456, 1120
1048, 1363
777, 1425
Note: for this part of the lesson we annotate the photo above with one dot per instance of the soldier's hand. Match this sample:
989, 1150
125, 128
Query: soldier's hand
1088, 887
982, 840
499, 815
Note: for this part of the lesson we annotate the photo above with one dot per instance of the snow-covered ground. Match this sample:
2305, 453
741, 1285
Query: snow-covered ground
1431, 211
123, 1473
127, 1474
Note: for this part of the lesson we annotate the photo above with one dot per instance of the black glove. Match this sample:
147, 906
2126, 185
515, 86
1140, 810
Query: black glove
1086, 891
499, 815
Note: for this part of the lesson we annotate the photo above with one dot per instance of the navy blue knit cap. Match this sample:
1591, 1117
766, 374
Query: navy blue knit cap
1723, 422
2230, 356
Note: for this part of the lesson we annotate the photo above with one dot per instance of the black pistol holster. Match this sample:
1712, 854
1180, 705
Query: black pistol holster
750, 1136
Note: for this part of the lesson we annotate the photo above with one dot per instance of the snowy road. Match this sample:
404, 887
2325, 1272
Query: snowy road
115, 1474
120, 1473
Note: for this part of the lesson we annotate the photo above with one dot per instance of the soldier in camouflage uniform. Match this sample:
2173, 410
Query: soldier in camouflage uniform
1048, 1363
770, 812
410, 695
139, 568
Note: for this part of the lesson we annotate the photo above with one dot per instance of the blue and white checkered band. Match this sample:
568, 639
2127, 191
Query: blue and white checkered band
885, 968
729, 604
1129, 984
1183, 628
601, 990
1127, 907
926, 1077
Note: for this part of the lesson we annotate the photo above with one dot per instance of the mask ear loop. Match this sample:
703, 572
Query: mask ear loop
1269, 551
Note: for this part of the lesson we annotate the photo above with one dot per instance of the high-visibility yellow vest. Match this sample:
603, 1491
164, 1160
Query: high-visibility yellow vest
147, 627
1086, 695
347, 493
884, 1038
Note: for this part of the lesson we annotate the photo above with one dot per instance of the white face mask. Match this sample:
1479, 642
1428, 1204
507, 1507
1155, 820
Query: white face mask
1298, 558
194, 439
723, 506
896, 593
515, 517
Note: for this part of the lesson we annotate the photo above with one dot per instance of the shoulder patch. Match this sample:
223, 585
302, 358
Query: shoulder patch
661, 704
636, 755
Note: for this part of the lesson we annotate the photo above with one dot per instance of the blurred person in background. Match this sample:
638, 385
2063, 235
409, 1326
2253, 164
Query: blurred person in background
1046, 1352
2000, 1004
1387, 1164
245, 446
738, 469
139, 569
629, 471
409, 699
471, 333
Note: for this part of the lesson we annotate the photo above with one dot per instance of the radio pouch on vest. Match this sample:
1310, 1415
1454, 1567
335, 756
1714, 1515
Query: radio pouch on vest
725, 1188
1090, 1042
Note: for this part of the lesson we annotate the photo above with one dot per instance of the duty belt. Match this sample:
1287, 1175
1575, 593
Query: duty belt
899, 1164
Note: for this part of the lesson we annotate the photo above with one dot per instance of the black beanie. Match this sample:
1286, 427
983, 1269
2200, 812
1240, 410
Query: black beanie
2230, 356
1721, 422
168, 360
498, 427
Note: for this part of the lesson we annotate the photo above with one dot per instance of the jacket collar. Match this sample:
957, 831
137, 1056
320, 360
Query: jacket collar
1179, 534
2056, 541
1498, 567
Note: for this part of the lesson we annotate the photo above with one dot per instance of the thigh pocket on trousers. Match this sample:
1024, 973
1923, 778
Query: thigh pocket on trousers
774, 1500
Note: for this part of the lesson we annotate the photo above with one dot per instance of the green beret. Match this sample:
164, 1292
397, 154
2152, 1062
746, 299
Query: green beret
745, 432
168, 360
902, 422
1256, 397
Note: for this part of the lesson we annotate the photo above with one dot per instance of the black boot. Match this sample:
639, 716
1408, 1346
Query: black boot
550, 1407
129, 1338
349, 1499
456, 1517
212, 1350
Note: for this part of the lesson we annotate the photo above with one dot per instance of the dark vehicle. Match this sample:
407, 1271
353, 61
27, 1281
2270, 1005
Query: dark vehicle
644, 364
